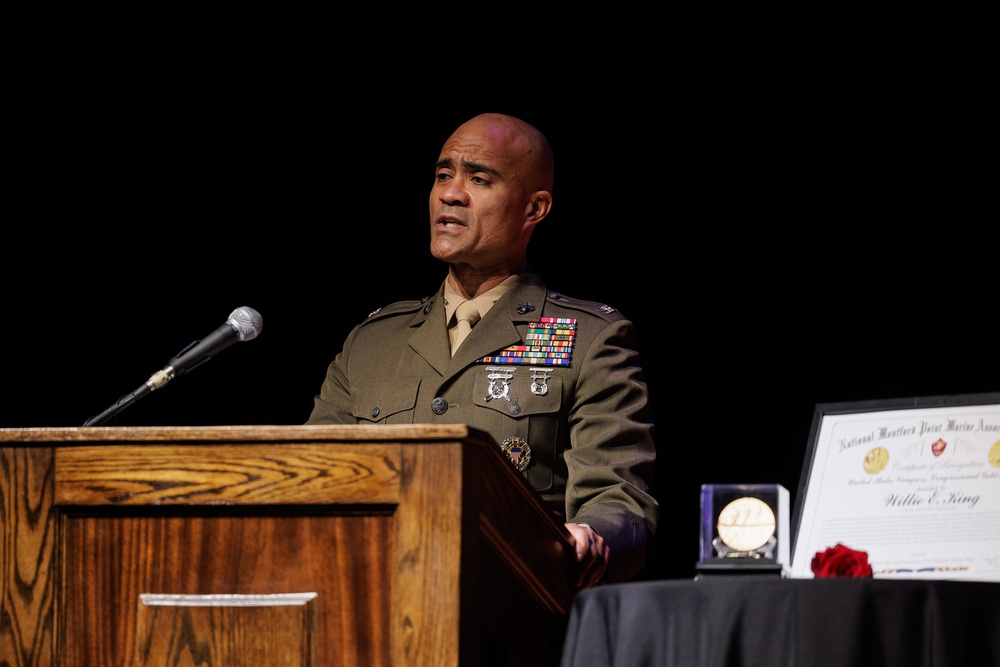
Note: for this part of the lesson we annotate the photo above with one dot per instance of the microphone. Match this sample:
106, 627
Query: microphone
243, 324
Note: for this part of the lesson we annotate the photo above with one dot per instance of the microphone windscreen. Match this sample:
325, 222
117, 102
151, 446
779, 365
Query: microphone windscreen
247, 322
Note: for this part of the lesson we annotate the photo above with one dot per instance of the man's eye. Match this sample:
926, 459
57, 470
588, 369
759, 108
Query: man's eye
479, 180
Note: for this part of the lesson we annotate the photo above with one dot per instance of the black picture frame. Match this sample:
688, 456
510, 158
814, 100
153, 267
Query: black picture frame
825, 410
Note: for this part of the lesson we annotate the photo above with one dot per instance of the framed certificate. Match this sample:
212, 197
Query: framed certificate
913, 482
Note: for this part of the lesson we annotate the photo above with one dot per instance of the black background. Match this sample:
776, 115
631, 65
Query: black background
737, 184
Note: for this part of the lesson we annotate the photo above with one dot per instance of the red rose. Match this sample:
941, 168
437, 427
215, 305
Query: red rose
841, 561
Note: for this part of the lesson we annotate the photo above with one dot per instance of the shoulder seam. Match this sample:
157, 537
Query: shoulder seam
397, 308
594, 307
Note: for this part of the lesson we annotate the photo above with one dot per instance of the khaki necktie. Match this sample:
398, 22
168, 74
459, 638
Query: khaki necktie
466, 316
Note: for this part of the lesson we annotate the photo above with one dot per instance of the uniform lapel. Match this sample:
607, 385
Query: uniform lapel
488, 336
521, 303
430, 339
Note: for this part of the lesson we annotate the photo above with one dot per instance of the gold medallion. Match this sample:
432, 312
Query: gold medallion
517, 452
746, 524
994, 455
876, 460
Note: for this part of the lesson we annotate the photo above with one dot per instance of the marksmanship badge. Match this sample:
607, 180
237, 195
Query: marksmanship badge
499, 382
539, 379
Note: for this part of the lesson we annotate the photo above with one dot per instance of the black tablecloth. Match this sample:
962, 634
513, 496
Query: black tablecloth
759, 621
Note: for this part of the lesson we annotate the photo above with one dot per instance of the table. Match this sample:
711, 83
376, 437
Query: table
764, 621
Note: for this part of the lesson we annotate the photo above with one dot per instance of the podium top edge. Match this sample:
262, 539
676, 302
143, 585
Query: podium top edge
235, 433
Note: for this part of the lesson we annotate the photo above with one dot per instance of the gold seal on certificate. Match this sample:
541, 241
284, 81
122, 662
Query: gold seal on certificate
744, 529
876, 460
746, 524
994, 455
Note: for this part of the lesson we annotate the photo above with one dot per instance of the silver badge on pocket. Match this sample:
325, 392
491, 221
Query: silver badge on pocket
499, 382
539, 378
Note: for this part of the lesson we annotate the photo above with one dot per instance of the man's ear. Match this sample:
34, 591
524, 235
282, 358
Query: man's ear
539, 205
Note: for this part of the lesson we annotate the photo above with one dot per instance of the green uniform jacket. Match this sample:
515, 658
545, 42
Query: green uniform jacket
586, 422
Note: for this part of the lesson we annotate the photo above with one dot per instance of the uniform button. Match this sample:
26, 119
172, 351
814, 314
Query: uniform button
439, 406
375, 412
515, 409
427, 308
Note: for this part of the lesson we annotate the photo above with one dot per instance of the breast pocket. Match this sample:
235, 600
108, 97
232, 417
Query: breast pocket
382, 402
526, 405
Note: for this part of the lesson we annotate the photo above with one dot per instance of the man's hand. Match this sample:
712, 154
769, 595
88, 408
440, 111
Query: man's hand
591, 554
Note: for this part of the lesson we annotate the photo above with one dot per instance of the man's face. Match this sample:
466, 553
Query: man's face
477, 203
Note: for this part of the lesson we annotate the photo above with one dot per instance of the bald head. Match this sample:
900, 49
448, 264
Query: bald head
521, 141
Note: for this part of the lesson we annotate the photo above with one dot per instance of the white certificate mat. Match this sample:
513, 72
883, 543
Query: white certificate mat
914, 483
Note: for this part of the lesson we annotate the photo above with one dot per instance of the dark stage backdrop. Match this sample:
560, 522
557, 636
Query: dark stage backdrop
736, 184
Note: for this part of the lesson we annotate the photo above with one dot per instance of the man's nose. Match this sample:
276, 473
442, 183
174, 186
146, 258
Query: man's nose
455, 193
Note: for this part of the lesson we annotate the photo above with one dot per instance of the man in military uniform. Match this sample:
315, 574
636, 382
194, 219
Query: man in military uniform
554, 380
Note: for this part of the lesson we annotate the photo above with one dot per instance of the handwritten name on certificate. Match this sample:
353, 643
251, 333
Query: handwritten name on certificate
917, 489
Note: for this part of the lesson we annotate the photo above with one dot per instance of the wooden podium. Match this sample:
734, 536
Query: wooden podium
274, 545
